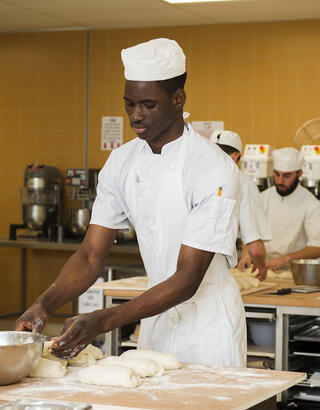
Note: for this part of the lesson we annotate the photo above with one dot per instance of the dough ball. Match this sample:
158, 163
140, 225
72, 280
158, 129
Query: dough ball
271, 274
109, 375
86, 357
95, 351
142, 367
47, 354
48, 368
245, 284
166, 360
254, 282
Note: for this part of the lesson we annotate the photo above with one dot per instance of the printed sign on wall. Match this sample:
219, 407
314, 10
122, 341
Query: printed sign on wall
111, 133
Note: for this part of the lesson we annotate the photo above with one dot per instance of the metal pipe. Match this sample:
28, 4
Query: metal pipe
86, 102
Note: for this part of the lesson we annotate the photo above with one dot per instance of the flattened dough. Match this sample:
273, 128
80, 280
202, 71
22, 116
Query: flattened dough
166, 360
86, 357
48, 368
109, 375
142, 366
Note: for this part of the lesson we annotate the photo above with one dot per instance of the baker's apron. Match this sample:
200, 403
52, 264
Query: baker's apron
210, 327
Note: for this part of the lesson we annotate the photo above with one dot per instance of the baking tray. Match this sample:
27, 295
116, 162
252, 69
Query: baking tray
44, 405
311, 334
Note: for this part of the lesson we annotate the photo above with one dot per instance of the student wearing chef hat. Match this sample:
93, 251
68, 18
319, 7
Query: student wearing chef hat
253, 223
180, 192
292, 211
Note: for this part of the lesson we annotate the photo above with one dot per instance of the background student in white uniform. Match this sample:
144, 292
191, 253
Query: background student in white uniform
293, 213
180, 193
254, 226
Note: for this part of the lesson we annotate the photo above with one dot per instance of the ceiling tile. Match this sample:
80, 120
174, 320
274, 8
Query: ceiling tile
35, 15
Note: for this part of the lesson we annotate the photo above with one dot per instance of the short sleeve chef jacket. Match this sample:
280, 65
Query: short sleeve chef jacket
253, 221
294, 221
206, 169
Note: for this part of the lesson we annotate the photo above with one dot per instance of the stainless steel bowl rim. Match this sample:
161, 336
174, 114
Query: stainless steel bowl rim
37, 337
305, 262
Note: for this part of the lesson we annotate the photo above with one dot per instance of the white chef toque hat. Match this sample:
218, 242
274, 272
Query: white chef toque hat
287, 159
155, 60
227, 138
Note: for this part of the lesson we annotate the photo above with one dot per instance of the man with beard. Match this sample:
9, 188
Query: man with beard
292, 211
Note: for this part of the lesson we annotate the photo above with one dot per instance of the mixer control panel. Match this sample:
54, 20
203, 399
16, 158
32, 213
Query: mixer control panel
77, 177
257, 160
311, 165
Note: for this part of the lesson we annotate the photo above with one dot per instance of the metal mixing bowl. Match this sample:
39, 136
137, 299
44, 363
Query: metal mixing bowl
19, 354
78, 221
306, 271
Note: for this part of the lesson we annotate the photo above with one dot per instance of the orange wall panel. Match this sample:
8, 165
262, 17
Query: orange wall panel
261, 79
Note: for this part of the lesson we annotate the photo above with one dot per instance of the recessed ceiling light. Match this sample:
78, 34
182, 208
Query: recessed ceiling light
192, 1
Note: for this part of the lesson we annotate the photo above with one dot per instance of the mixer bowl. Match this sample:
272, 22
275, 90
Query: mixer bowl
78, 221
127, 235
306, 271
19, 354
35, 216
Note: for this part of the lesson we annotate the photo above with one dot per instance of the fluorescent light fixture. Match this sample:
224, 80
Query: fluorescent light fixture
193, 1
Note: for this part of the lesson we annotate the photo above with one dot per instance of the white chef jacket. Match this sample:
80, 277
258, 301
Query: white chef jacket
294, 220
253, 221
136, 185
206, 169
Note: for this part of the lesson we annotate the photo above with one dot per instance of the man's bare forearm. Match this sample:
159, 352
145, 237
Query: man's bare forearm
75, 277
80, 271
309, 252
257, 253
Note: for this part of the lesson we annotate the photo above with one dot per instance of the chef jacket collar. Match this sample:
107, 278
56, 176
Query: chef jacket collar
166, 148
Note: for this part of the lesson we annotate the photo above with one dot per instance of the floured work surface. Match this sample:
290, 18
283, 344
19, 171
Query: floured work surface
135, 286
262, 286
192, 387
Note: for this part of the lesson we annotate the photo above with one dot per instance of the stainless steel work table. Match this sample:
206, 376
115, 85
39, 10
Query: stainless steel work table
66, 245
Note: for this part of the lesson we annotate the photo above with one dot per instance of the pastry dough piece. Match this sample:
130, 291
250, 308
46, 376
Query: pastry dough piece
109, 375
247, 271
47, 354
143, 367
46, 348
286, 274
271, 274
244, 282
254, 282
95, 351
166, 360
86, 357
48, 368
238, 283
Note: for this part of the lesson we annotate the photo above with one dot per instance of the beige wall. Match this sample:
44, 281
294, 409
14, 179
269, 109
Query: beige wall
262, 79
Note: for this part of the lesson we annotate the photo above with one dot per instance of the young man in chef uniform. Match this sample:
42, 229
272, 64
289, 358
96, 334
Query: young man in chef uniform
292, 211
254, 226
180, 193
